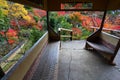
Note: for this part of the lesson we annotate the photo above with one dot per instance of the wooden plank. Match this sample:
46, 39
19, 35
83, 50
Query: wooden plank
47, 63
63, 29
105, 43
108, 38
101, 47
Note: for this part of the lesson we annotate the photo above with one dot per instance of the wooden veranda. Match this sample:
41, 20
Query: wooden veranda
46, 61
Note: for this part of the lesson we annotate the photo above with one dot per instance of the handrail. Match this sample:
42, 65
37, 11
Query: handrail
112, 31
96, 28
67, 30
63, 29
65, 36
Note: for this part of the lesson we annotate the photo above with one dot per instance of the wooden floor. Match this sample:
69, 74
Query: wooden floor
73, 62
45, 66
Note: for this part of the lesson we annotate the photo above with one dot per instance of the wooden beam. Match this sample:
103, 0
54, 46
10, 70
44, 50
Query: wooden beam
103, 20
47, 20
63, 29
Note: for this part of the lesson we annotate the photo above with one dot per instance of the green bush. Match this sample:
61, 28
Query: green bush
85, 33
35, 34
36, 18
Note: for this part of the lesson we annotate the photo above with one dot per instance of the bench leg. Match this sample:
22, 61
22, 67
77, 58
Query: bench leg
88, 47
112, 61
109, 59
60, 45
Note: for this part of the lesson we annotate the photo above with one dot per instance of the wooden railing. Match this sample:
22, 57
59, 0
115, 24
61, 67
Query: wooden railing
64, 36
96, 28
111, 31
23, 65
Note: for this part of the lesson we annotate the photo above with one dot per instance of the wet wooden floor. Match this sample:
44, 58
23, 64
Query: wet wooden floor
73, 62
45, 66
76, 63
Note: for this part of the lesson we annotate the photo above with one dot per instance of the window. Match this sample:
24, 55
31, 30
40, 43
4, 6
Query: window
76, 6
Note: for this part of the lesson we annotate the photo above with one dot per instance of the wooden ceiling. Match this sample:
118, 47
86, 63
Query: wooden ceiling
55, 5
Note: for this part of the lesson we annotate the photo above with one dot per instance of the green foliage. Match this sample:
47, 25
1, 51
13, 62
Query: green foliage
114, 13
30, 9
27, 46
85, 33
62, 21
2, 39
4, 22
36, 18
24, 34
53, 19
59, 21
35, 35
44, 22
4, 25
31, 36
10, 63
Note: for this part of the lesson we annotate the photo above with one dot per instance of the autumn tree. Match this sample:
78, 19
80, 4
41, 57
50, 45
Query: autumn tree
75, 18
17, 11
4, 21
10, 10
3, 7
3, 12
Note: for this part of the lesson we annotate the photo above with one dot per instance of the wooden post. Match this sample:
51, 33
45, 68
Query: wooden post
59, 33
47, 20
103, 20
59, 29
71, 35
48, 25
115, 53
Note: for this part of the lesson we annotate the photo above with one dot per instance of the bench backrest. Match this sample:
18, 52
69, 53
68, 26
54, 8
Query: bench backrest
109, 40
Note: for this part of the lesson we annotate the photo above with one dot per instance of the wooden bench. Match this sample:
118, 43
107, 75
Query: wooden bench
107, 44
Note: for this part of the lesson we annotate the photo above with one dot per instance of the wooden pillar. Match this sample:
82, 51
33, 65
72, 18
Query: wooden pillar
71, 35
103, 20
48, 25
48, 21
1, 73
59, 29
